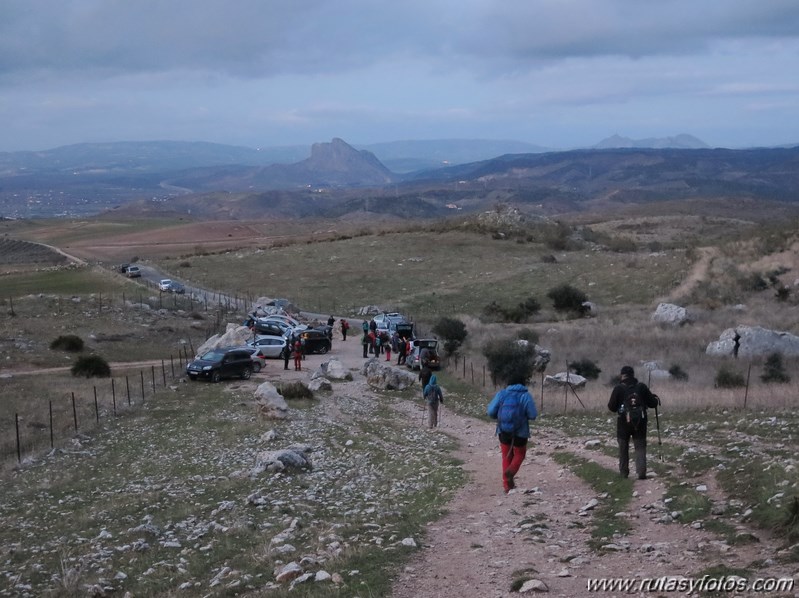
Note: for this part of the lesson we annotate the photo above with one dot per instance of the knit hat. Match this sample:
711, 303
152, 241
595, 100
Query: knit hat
627, 371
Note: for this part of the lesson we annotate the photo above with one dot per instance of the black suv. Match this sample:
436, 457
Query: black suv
316, 340
226, 362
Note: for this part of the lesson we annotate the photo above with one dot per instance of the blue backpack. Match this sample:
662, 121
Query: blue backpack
511, 415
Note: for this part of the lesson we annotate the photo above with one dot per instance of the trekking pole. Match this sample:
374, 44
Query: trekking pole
657, 423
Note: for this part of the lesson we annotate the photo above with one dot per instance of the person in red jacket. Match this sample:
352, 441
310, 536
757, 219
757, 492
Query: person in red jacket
297, 356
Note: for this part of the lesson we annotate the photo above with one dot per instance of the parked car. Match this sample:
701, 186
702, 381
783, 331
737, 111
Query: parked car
316, 340
271, 347
404, 329
123, 268
424, 351
260, 327
164, 285
177, 288
226, 362
284, 326
258, 359
133, 272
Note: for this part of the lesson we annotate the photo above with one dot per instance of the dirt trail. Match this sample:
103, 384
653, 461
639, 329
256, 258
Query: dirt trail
541, 527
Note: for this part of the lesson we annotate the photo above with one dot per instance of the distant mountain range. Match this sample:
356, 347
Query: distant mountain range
195, 177
682, 141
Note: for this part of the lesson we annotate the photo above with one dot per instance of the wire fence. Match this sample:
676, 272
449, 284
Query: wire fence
73, 413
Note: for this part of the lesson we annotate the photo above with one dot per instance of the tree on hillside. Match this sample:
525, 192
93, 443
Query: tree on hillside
453, 331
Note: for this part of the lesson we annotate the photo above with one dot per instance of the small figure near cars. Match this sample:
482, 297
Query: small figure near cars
345, 325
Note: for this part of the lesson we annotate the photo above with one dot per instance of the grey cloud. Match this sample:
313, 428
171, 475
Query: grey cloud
256, 38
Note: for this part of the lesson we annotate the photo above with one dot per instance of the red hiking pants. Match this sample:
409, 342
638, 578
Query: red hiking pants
511, 461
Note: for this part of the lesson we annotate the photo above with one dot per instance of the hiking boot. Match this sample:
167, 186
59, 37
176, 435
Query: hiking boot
509, 479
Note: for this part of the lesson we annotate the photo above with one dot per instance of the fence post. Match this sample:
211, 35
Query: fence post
74, 412
163, 372
746, 392
19, 449
152, 372
542, 391
52, 445
114, 395
96, 407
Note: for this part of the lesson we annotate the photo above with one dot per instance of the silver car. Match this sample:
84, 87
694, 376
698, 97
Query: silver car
271, 347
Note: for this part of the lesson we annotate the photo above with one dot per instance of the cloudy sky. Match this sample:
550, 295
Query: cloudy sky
557, 73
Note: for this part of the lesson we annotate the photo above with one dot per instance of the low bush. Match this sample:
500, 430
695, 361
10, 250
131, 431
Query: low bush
67, 342
678, 373
729, 378
295, 390
567, 298
528, 334
585, 368
91, 366
773, 371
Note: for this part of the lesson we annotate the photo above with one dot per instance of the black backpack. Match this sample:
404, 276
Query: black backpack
633, 407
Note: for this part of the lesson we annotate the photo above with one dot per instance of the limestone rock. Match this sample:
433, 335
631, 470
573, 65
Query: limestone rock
386, 377
271, 403
671, 315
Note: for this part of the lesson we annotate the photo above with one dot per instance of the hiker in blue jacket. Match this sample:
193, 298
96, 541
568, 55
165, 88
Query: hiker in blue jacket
512, 407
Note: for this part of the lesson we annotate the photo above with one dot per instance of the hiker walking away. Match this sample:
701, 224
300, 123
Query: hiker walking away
630, 399
425, 375
512, 407
344, 327
433, 396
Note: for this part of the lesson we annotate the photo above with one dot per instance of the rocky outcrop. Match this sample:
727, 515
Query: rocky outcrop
270, 402
332, 370
563, 378
671, 315
234, 336
753, 341
387, 377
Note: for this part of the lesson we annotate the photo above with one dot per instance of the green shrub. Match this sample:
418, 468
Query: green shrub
509, 361
295, 390
68, 342
521, 312
91, 366
453, 331
585, 368
567, 298
728, 378
678, 373
528, 334
773, 371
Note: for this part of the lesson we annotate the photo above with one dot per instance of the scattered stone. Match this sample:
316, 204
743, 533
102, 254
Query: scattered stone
533, 585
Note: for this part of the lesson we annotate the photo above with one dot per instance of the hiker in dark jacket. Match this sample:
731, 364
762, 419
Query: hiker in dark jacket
513, 445
625, 427
433, 396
